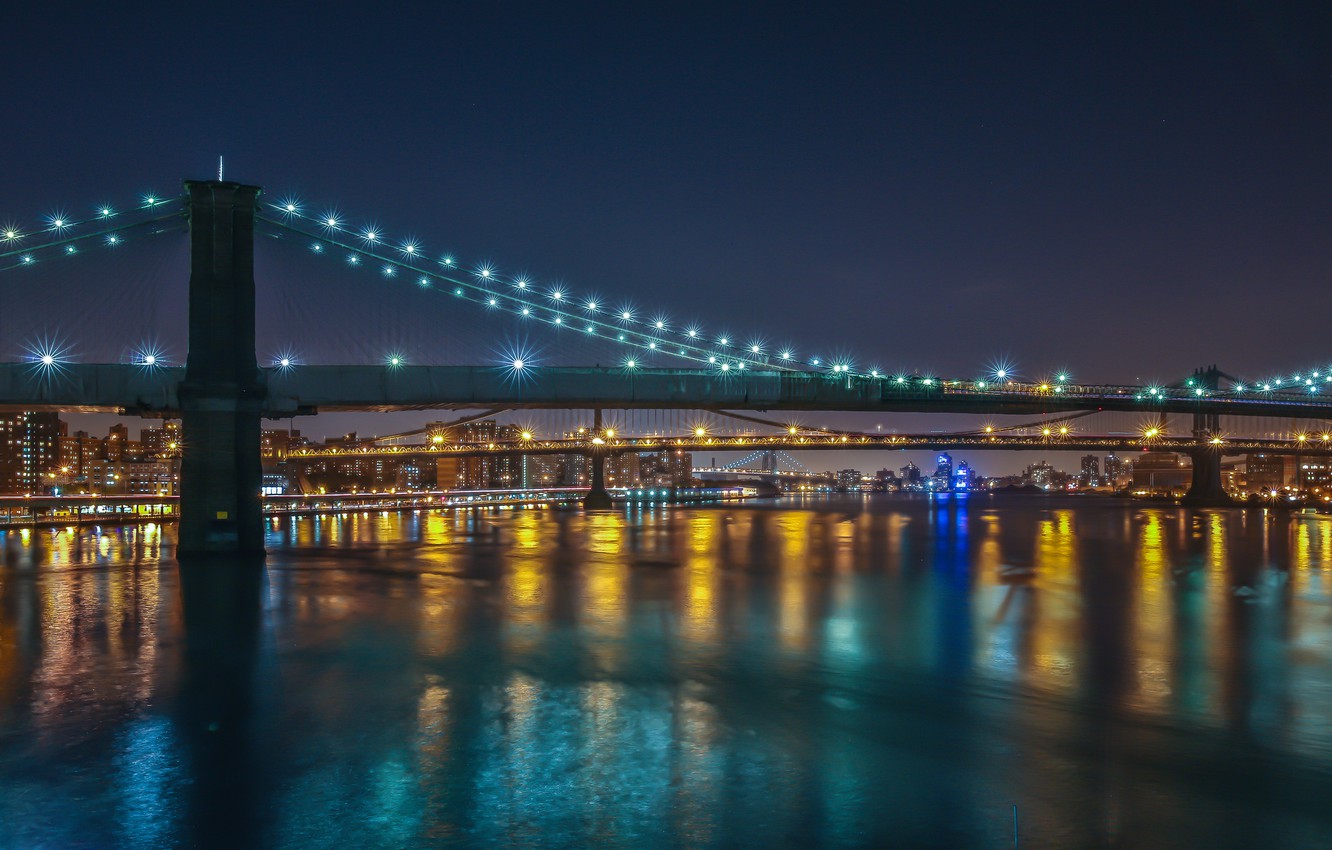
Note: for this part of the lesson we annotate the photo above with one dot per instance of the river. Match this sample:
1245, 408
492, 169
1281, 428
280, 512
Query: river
825, 672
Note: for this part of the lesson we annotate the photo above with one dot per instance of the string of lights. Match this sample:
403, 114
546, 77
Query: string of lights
556, 307
107, 227
643, 334
369, 246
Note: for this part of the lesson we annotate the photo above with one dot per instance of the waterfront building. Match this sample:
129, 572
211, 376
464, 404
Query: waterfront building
29, 450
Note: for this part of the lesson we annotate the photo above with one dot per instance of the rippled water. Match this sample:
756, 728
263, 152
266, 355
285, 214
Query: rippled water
876, 672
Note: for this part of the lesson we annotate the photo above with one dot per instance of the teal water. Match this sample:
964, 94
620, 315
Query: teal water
857, 672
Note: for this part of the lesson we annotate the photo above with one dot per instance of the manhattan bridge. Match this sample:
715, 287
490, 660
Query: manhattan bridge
571, 351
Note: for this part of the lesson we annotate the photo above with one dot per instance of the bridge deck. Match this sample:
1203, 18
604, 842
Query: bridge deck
309, 389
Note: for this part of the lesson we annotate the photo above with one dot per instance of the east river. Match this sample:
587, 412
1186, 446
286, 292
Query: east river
852, 672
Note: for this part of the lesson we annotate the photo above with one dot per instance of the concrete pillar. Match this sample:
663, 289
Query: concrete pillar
1206, 489
598, 497
221, 511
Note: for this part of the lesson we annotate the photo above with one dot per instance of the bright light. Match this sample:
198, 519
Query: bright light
610, 432
1061, 377
448, 261
659, 325
424, 281
700, 432
370, 236
331, 222
485, 273
48, 360
557, 295
12, 235
149, 200
104, 212
630, 364
520, 283
527, 435
526, 312
1001, 374
726, 367
149, 359
712, 359
518, 363
786, 355
291, 208
285, 362
724, 341
626, 315
559, 321
591, 306
493, 302
693, 333
409, 249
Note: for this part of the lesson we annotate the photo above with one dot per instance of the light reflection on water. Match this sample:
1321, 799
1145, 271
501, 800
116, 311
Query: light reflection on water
842, 672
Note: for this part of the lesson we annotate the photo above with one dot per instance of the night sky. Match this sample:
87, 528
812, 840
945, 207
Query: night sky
1126, 192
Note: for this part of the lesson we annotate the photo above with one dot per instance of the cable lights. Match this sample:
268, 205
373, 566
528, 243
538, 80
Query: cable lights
19, 247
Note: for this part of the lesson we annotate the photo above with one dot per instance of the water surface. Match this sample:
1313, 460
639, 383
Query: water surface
839, 673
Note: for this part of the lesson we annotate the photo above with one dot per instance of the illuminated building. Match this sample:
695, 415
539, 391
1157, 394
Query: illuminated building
1162, 472
163, 441
910, 474
29, 450
943, 473
1269, 472
1114, 470
1091, 471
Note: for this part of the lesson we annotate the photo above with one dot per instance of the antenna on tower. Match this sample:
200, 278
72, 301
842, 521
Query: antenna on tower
219, 169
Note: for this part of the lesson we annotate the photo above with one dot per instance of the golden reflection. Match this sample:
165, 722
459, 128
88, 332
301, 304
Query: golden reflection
605, 604
432, 727
700, 573
794, 589
1055, 641
1153, 619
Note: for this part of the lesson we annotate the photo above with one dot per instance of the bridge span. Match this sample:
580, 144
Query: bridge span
279, 393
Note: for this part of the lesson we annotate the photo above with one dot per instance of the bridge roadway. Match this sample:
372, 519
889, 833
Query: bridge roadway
1319, 444
303, 390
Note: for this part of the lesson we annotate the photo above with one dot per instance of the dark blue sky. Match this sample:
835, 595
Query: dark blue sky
1127, 191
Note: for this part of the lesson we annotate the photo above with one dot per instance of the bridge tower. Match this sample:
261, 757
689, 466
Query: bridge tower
598, 497
1206, 488
221, 511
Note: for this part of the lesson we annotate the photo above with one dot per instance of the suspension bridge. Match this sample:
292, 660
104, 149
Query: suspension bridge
222, 393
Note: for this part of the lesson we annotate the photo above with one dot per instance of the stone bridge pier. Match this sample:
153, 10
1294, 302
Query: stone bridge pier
222, 395
1206, 489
